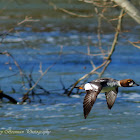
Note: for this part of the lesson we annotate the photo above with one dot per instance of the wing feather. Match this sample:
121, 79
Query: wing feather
89, 100
111, 97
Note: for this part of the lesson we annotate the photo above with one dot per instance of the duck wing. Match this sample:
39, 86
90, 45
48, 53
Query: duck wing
111, 97
90, 97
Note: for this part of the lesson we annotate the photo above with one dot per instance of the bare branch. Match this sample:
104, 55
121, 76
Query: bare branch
27, 19
132, 43
100, 3
108, 59
11, 99
44, 73
16, 63
86, 76
116, 35
99, 31
69, 12
22, 74
130, 9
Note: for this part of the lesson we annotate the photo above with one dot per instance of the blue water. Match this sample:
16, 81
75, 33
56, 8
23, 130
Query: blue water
58, 116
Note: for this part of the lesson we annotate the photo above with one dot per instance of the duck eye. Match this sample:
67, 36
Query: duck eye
128, 81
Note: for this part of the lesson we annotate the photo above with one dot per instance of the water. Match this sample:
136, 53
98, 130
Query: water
42, 42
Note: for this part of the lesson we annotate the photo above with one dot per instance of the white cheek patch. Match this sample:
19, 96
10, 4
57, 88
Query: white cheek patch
131, 84
89, 86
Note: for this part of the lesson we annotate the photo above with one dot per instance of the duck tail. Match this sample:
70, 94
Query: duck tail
79, 87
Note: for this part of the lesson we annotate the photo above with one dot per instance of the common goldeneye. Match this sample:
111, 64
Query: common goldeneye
108, 86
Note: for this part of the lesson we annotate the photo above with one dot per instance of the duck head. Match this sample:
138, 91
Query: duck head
128, 83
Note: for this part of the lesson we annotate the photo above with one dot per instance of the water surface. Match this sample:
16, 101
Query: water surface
59, 116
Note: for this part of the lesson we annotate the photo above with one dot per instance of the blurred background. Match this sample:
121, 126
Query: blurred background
37, 34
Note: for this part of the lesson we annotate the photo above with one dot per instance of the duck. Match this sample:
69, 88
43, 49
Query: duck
108, 86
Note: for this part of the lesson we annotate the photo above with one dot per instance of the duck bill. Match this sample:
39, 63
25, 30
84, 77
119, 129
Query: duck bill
134, 85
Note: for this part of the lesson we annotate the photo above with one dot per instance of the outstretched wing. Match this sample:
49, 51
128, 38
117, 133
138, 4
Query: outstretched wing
111, 97
90, 99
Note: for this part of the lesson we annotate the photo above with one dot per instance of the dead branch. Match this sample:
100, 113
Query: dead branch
108, 58
89, 54
22, 74
10, 55
25, 98
45, 72
11, 99
69, 12
118, 29
100, 3
134, 44
99, 31
37, 86
130, 9
27, 19
42, 75
85, 76
26, 95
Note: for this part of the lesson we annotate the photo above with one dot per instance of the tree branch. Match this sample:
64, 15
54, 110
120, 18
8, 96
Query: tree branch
69, 12
130, 9
132, 43
108, 59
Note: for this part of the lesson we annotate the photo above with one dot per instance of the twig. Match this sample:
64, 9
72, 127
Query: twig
18, 66
11, 99
38, 86
89, 54
69, 12
8, 76
130, 9
105, 67
99, 31
116, 34
27, 19
114, 42
45, 72
88, 50
100, 3
132, 43
108, 59
8, 54
85, 76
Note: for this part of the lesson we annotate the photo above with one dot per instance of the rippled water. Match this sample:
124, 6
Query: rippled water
59, 116
62, 118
